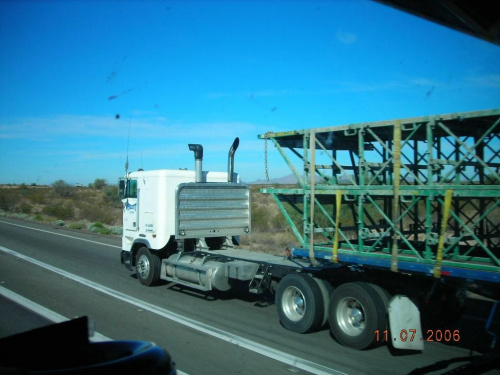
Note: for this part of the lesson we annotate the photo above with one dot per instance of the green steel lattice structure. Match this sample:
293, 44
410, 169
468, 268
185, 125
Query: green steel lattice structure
417, 194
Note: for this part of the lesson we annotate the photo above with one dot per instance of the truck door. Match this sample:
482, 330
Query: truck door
128, 193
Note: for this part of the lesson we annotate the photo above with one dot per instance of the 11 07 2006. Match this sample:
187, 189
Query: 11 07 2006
411, 334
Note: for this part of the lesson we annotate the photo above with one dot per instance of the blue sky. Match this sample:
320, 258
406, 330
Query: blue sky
179, 72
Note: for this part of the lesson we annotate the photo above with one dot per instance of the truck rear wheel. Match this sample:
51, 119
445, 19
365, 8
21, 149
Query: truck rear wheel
326, 291
357, 310
148, 267
300, 303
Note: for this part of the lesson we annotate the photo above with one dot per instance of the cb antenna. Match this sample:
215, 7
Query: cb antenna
128, 142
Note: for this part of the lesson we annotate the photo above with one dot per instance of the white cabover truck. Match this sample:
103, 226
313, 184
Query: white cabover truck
177, 211
394, 220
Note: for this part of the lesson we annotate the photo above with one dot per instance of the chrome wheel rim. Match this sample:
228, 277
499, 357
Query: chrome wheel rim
293, 304
351, 316
143, 266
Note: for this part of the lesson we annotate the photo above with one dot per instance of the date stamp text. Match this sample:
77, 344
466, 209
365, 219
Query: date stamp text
411, 335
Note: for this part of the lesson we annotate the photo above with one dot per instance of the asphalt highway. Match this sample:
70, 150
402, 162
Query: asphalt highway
68, 273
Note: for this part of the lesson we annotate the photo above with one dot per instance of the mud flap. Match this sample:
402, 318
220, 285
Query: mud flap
404, 323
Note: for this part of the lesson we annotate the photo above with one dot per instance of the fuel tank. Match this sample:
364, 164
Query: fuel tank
204, 271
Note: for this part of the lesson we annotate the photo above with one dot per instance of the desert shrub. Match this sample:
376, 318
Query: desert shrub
76, 225
491, 180
98, 227
259, 218
97, 224
21, 216
38, 217
278, 223
96, 213
100, 183
276, 242
116, 230
8, 199
111, 196
271, 243
63, 189
63, 212
25, 208
38, 195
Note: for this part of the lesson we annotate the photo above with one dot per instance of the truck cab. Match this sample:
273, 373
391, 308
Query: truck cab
166, 211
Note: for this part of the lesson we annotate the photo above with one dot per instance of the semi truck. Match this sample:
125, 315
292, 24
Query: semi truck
396, 222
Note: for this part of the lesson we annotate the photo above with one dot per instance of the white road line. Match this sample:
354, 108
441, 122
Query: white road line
60, 234
45, 312
51, 315
201, 327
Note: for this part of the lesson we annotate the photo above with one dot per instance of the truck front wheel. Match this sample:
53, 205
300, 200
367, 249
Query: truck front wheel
356, 311
300, 303
148, 267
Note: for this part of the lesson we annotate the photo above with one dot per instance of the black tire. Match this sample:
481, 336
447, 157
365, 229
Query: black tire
386, 298
357, 310
148, 267
215, 243
326, 291
384, 294
300, 303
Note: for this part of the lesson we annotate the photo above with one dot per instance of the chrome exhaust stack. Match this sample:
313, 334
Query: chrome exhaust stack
230, 160
198, 159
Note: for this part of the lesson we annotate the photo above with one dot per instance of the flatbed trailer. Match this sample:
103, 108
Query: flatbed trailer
392, 218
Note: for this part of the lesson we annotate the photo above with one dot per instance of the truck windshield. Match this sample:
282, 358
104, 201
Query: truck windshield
131, 189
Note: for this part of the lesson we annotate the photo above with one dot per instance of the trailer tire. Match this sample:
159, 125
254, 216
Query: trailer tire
300, 303
384, 295
326, 291
148, 267
386, 298
357, 310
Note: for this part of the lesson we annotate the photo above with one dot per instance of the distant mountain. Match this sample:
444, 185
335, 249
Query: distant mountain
286, 180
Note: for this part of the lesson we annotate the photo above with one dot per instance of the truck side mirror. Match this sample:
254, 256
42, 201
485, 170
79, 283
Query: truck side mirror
121, 188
